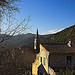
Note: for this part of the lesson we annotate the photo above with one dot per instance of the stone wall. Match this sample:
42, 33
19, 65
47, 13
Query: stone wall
59, 61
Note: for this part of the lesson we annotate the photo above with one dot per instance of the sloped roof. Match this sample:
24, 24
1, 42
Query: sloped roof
58, 48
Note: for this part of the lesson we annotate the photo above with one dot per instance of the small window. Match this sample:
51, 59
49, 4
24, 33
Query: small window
69, 60
46, 55
40, 59
44, 61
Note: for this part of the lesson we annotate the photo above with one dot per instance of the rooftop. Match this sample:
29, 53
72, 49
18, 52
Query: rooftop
58, 48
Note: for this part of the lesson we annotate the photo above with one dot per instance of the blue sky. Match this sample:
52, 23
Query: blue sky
49, 16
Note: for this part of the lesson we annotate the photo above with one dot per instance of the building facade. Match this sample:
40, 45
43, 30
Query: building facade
52, 57
61, 56
41, 64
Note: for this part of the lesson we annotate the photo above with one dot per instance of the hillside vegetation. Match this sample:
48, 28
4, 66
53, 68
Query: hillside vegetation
61, 37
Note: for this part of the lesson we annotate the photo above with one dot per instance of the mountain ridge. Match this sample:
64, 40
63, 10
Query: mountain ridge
62, 37
28, 39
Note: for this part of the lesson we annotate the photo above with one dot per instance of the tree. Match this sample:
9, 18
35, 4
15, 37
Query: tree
9, 25
7, 6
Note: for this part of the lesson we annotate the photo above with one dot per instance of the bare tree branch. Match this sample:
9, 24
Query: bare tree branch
9, 25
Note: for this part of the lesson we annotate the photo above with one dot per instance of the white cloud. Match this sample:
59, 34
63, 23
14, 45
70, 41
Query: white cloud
52, 31
44, 34
55, 31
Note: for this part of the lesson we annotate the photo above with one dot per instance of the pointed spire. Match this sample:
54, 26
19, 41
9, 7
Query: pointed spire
37, 31
36, 42
37, 34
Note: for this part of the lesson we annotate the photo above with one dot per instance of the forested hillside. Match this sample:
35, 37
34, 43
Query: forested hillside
61, 37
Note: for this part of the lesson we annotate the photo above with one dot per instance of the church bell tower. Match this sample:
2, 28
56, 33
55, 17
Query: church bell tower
36, 43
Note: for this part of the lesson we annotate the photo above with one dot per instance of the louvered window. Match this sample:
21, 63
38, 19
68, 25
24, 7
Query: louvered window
69, 60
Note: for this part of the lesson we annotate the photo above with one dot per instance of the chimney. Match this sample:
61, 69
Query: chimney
69, 43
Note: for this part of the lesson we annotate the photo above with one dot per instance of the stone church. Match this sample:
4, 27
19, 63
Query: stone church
52, 57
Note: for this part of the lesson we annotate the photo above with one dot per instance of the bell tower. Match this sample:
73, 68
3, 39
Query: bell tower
36, 43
